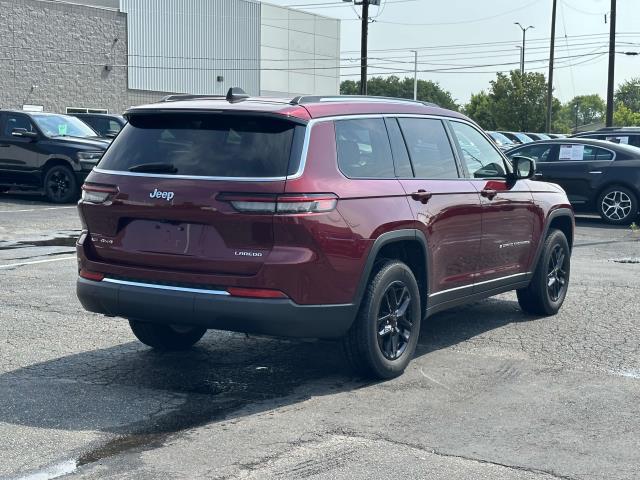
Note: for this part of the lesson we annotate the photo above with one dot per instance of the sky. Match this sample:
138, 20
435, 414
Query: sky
468, 41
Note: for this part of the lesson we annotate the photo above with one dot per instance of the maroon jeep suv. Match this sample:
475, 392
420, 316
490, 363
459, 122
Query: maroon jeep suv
327, 217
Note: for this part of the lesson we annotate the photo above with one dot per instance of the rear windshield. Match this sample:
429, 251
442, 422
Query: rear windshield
211, 145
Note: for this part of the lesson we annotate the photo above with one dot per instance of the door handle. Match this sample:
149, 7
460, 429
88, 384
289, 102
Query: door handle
421, 196
489, 193
595, 171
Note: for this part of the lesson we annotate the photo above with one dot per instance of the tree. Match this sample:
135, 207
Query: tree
628, 94
585, 109
624, 117
519, 101
393, 86
480, 109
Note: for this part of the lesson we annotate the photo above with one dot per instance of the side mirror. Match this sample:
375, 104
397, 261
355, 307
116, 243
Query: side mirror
23, 133
523, 167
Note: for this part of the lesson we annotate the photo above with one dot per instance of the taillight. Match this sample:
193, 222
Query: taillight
255, 293
281, 204
93, 193
95, 276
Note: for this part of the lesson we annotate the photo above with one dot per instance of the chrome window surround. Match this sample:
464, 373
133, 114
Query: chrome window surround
304, 154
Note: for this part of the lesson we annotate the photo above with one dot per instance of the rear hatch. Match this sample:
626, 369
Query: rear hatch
191, 191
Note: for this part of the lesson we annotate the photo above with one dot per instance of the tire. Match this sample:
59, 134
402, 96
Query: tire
166, 337
542, 297
371, 352
617, 205
60, 184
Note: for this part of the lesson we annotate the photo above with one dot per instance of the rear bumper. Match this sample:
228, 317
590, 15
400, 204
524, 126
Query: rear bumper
216, 310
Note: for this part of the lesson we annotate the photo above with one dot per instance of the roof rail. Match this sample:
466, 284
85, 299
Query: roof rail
234, 95
304, 99
186, 96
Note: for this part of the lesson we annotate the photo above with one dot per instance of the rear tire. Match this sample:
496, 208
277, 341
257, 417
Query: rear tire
60, 184
166, 337
383, 338
548, 288
618, 205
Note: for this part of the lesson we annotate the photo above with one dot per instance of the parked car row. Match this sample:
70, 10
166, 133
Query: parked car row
52, 152
598, 175
506, 140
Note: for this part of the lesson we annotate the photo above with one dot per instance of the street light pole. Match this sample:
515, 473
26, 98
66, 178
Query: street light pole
524, 37
415, 74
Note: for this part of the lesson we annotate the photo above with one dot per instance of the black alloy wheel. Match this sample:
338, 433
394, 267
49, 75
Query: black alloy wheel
394, 321
60, 185
557, 273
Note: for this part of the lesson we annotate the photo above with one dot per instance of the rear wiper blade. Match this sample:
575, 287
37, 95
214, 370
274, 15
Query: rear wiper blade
154, 167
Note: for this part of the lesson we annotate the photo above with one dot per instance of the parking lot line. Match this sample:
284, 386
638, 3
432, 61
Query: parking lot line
11, 265
36, 209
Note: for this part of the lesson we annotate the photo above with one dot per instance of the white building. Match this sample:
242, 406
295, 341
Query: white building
106, 55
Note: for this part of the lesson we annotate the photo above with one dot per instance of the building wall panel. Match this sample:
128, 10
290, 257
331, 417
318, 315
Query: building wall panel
185, 46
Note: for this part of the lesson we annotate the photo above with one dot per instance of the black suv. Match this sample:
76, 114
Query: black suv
623, 135
47, 151
107, 125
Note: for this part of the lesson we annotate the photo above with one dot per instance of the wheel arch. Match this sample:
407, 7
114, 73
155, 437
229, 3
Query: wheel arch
407, 245
617, 183
55, 161
563, 220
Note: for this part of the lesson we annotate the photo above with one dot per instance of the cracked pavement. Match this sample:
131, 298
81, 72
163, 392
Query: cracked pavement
492, 393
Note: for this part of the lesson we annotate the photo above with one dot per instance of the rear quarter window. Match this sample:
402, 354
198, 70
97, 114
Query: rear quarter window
363, 148
208, 145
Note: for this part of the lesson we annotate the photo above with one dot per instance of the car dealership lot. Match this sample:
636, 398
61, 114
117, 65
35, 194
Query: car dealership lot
492, 393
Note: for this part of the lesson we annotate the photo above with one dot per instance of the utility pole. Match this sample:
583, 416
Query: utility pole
415, 74
612, 64
551, 58
524, 36
363, 53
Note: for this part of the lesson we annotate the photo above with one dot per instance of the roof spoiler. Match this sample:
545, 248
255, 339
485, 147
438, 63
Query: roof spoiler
234, 95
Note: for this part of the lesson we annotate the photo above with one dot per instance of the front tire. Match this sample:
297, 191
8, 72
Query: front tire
60, 184
166, 337
617, 205
548, 288
383, 338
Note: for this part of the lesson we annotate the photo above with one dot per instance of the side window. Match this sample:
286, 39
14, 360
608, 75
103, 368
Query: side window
114, 126
17, 121
576, 152
480, 156
602, 154
540, 153
400, 155
363, 148
429, 148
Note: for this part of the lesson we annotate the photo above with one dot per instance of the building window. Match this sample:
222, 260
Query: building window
86, 110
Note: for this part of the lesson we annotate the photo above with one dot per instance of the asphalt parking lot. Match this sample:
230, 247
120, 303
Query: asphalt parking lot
492, 393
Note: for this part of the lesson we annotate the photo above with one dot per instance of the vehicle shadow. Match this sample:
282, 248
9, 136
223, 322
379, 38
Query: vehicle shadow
141, 395
31, 197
